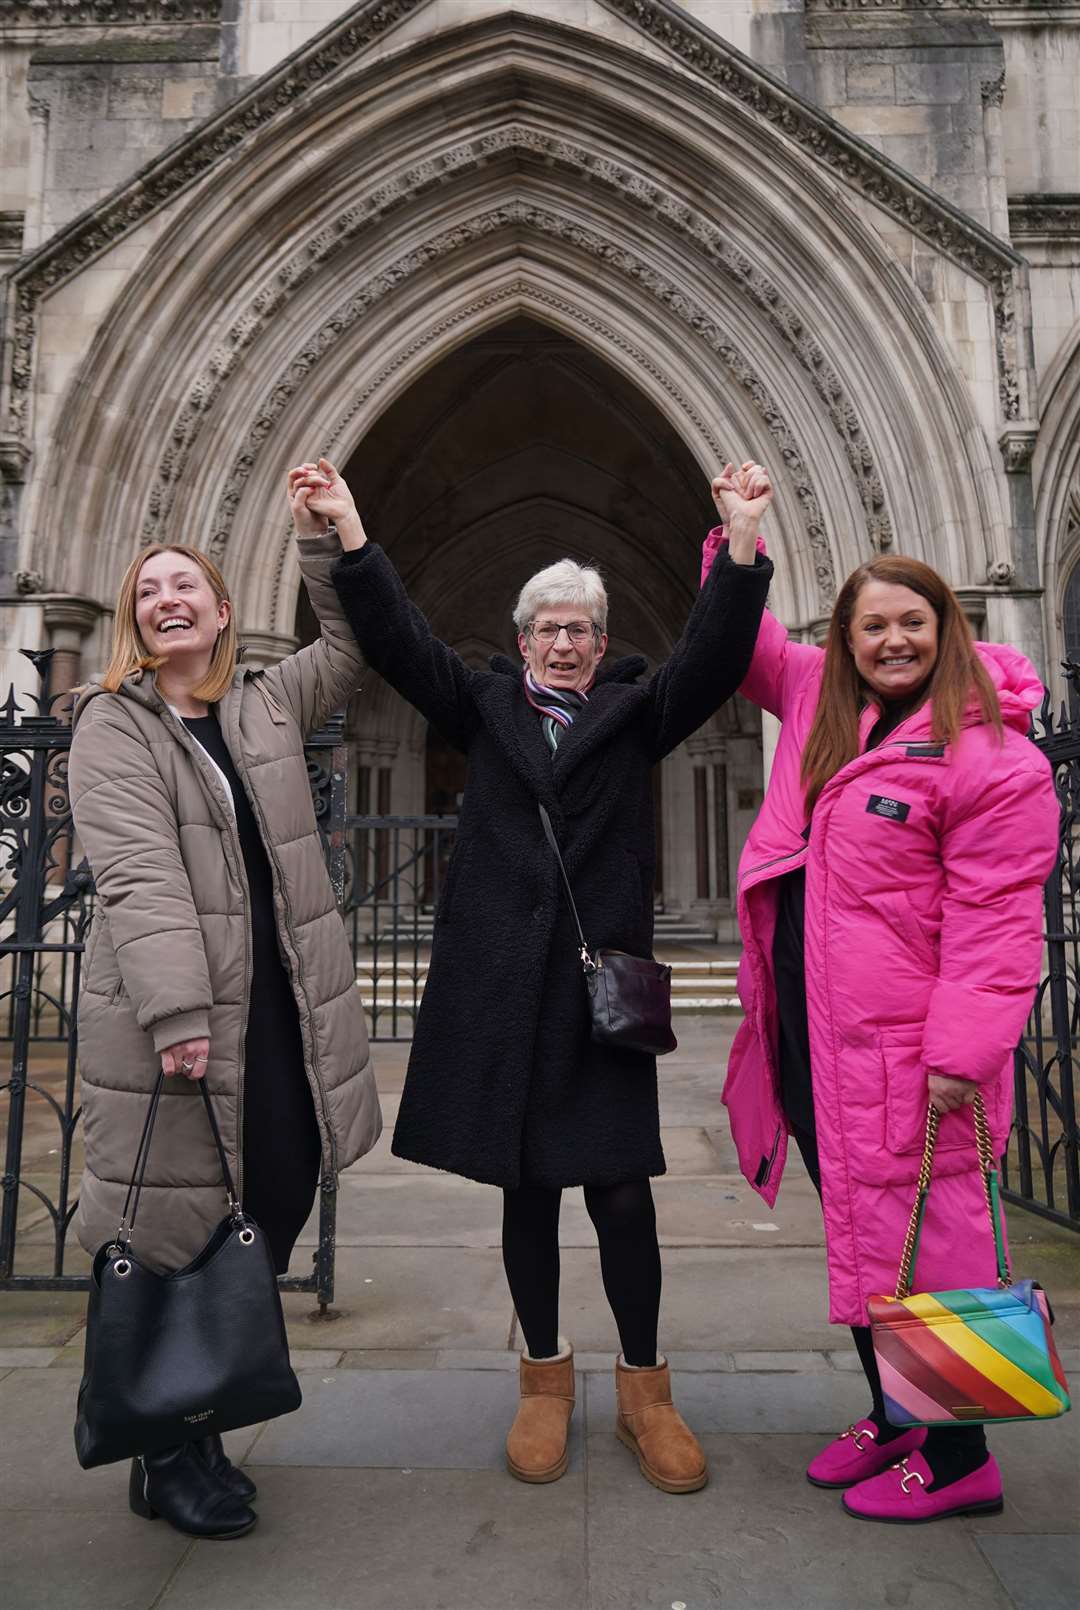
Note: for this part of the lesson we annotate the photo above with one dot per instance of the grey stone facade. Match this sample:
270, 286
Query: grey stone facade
532, 272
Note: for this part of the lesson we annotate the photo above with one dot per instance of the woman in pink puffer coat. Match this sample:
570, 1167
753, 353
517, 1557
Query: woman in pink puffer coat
890, 905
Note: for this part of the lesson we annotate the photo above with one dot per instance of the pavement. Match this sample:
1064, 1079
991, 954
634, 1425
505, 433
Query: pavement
388, 1488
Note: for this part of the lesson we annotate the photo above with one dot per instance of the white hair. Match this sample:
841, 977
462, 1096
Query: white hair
566, 582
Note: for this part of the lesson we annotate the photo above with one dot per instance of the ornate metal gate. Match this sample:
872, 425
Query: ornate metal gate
1041, 1169
46, 908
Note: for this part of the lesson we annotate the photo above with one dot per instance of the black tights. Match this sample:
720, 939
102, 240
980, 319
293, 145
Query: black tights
950, 1451
625, 1221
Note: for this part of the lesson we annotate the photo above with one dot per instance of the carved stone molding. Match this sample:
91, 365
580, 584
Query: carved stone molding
1001, 573
394, 191
14, 457
513, 215
519, 291
11, 233
1041, 215
28, 582
1018, 447
939, 5
919, 209
993, 90
105, 13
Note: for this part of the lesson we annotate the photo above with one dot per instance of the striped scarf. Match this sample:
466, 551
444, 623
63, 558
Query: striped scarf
558, 707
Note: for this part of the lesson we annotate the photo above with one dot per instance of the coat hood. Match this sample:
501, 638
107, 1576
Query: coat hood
142, 687
1017, 683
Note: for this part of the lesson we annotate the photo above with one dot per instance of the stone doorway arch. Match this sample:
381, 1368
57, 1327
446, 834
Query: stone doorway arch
519, 448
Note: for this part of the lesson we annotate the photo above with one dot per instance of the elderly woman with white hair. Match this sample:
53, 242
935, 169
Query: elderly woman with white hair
504, 1083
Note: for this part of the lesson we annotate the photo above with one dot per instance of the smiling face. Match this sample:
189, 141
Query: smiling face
893, 638
177, 611
567, 659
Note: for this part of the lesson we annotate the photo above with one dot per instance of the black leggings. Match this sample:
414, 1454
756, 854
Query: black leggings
950, 1451
625, 1221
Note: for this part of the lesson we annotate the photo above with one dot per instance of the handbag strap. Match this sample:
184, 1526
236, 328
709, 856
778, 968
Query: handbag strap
122, 1239
989, 1175
586, 959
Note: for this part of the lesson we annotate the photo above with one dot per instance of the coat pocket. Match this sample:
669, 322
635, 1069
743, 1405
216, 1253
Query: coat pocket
907, 1099
903, 916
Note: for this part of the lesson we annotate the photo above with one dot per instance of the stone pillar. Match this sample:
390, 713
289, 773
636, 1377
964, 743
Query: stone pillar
1017, 576
68, 620
993, 94
14, 457
34, 223
260, 649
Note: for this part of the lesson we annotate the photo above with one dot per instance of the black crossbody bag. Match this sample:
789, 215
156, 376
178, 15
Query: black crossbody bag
172, 1357
629, 996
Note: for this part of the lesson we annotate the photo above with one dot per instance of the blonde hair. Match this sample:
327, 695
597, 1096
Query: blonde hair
565, 582
128, 649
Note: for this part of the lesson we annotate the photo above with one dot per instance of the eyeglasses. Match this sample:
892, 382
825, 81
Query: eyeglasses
576, 631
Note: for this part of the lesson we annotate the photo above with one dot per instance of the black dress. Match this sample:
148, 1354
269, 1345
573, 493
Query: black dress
282, 1149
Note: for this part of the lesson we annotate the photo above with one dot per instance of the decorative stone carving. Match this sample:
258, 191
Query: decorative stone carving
993, 90
522, 290
112, 13
1018, 447
11, 233
1000, 573
29, 581
926, 214
937, 5
918, 208
1055, 215
525, 143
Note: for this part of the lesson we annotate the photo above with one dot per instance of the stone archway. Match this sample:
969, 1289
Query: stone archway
518, 448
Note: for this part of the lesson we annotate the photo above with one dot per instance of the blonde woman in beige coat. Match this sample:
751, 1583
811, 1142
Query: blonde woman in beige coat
216, 950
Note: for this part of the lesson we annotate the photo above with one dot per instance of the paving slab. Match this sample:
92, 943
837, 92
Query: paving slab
375, 1358
1039, 1573
823, 1404
54, 1560
424, 1419
38, 1468
1040, 1468
40, 1318
28, 1358
730, 1299
759, 1536
426, 1540
408, 1297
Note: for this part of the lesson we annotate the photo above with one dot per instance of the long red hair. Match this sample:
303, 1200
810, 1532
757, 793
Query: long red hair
958, 672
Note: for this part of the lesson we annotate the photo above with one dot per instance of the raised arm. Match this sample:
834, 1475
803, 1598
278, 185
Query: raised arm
770, 679
386, 626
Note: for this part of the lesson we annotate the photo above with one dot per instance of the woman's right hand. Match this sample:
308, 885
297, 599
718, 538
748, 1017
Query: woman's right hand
188, 1057
742, 497
317, 494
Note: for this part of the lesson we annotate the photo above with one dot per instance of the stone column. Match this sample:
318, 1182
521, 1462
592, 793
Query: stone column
68, 619
993, 94
260, 649
34, 224
1017, 576
14, 457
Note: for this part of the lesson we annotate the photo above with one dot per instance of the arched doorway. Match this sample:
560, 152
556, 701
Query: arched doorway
520, 447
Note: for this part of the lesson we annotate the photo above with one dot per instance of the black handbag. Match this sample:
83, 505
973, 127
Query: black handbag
629, 996
173, 1357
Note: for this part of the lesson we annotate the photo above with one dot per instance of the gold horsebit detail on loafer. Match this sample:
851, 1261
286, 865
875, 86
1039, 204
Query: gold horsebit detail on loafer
907, 1475
856, 1434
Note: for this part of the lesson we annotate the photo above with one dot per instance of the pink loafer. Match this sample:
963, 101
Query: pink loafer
899, 1494
855, 1455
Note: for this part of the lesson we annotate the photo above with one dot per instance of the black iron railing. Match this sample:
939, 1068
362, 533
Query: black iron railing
46, 909
1041, 1169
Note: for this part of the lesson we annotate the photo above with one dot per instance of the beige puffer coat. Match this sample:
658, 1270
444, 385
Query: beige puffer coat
168, 957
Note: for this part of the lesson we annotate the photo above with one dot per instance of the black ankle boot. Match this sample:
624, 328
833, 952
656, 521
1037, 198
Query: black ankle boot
212, 1453
177, 1485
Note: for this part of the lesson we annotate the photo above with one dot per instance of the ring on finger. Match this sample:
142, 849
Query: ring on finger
186, 1067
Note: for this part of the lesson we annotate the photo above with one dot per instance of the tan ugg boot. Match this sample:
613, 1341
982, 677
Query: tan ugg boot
536, 1446
668, 1453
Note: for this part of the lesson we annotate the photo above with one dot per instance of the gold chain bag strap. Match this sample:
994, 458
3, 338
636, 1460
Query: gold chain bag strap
976, 1354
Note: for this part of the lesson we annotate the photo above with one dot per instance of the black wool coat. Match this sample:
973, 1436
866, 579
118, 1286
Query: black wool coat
504, 1084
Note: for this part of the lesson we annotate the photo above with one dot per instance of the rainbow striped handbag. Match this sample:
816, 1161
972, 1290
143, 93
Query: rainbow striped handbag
978, 1355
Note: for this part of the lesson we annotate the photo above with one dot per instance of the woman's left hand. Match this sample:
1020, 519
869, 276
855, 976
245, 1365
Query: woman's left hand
317, 495
947, 1094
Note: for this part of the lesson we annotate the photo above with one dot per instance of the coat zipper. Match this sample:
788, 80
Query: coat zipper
279, 884
197, 753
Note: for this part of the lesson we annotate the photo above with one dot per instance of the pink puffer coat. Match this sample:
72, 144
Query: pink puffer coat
924, 875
